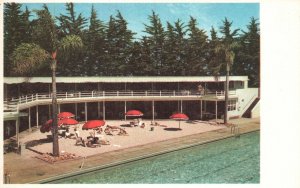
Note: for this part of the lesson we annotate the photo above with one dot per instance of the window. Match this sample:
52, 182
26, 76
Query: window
231, 105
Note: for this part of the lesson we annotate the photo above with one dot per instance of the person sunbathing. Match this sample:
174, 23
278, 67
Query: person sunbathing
122, 132
108, 130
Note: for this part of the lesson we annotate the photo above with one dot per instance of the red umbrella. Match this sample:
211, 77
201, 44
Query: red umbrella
179, 117
65, 115
92, 124
67, 121
134, 113
48, 125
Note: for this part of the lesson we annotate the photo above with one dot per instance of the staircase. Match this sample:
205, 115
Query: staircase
247, 113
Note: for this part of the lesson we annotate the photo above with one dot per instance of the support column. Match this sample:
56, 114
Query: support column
76, 109
58, 108
153, 112
49, 112
180, 106
125, 110
216, 110
103, 110
17, 131
201, 115
29, 120
98, 105
85, 111
37, 116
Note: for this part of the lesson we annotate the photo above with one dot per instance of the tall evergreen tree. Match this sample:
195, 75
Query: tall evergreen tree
12, 32
26, 28
248, 55
119, 41
139, 61
175, 53
225, 46
71, 24
214, 59
156, 36
95, 43
197, 49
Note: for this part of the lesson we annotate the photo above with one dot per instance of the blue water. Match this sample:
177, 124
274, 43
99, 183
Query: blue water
233, 160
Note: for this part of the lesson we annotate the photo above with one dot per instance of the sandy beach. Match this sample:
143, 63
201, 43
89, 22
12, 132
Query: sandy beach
37, 142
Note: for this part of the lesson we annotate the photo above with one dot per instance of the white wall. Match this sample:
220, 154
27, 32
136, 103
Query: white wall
245, 99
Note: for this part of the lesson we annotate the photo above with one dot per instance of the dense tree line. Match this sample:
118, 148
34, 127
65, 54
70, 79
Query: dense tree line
110, 49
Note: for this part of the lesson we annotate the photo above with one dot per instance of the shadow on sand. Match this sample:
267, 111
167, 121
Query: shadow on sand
125, 125
172, 129
33, 143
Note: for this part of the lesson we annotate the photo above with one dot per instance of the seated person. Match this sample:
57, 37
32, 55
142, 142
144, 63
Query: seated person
99, 130
140, 122
77, 134
67, 133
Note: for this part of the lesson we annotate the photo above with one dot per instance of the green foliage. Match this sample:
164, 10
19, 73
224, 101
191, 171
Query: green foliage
110, 49
156, 37
248, 55
44, 33
13, 32
119, 43
28, 58
197, 49
70, 24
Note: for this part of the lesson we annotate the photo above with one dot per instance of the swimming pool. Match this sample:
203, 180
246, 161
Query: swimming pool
232, 160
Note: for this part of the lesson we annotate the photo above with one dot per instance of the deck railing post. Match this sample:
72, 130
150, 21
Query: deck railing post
159, 93
66, 94
174, 92
146, 93
131, 93
32, 97
36, 96
117, 93
79, 94
26, 98
103, 93
92, 93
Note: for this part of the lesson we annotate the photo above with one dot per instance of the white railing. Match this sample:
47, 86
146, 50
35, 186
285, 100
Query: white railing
93, 94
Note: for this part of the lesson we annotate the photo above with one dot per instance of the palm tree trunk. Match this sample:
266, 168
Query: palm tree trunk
54, 111
226, 94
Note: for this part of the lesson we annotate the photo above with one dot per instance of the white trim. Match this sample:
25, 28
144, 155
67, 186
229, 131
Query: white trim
128, 79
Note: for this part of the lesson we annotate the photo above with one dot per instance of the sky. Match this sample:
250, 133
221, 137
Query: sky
136, 14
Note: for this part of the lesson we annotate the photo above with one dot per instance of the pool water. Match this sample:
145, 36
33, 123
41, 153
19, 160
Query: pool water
232, 160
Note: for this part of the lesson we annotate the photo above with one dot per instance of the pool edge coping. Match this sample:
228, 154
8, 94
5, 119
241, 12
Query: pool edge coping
100, 167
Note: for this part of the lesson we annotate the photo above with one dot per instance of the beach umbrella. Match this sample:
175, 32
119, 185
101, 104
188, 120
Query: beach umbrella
63, 115
46, 127
67, 121
179, 117
92, 124
134, 113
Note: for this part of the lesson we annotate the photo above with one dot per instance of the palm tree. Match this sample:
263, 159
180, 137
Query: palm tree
225, 52
28, 58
